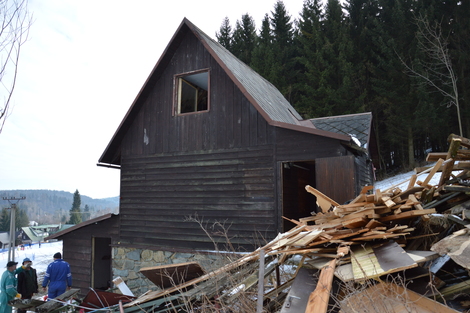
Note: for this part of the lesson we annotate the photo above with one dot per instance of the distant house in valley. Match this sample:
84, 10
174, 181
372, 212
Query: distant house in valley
4, 239
36, 234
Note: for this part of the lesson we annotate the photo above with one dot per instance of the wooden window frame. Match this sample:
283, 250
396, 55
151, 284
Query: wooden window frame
183, 79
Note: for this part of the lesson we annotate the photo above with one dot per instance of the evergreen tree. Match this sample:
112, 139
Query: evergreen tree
262, 57
224, 36
244, 38
75, 212
86, 213
309, 41
282, 74
21, 219
5, 220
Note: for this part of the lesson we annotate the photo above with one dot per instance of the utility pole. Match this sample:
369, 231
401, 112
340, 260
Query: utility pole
11, 247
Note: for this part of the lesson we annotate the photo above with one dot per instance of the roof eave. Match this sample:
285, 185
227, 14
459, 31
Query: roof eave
311, 130
80, 225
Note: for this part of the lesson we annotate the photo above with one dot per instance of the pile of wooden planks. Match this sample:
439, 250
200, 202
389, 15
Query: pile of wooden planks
416, 237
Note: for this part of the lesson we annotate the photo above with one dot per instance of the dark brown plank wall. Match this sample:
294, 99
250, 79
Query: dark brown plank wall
335, 177
297, 146
231, 122
159, 192
218, 164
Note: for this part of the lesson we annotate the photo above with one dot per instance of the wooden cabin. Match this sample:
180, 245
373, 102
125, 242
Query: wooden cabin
209, 142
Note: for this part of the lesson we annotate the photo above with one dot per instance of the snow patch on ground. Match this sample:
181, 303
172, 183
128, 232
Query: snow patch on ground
41, 256
402, 180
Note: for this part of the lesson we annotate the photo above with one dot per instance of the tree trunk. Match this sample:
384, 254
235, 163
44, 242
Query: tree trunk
411, 149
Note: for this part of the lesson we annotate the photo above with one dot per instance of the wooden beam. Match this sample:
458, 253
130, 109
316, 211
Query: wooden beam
408, 214
433, 171
323, 201
319, 298
412, 181
463, 141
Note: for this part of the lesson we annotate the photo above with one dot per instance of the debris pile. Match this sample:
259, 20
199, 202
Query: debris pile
387, 250
407, 250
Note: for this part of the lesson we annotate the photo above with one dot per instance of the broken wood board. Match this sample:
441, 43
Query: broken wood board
25, 304
391, 298
53, 305
462, 288
323, 201
406, 215
320, 297
169, 275
456, 246
371, 263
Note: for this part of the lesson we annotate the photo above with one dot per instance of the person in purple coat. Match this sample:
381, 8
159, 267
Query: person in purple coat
57, 276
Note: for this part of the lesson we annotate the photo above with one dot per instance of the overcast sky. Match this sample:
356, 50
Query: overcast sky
80, 71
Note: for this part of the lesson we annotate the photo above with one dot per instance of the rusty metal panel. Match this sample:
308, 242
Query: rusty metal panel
335, 177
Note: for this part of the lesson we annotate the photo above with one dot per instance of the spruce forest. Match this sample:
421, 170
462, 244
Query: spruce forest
406, 61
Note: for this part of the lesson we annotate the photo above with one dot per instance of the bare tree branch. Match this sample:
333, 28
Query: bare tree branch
15, 23
436, 69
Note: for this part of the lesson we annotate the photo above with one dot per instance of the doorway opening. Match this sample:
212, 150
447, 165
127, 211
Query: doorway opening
101, 270
296, 201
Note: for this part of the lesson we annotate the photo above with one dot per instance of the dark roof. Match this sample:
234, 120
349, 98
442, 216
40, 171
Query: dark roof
254, 86
266, 98
80, 225
355, 125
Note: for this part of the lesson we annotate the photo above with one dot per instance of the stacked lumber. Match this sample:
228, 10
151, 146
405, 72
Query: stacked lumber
414, 241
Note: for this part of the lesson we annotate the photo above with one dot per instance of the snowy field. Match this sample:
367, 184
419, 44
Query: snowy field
41, 257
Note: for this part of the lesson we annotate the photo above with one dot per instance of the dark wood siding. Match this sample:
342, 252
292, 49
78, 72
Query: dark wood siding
231, 122
216, 164
77, 250
234, 187
335, 177
297, 146
364, 172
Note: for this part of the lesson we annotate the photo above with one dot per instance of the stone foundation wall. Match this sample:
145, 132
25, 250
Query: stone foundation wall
127, 263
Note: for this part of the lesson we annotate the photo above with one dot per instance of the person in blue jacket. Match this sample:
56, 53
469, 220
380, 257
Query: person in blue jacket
57, 276
8, 287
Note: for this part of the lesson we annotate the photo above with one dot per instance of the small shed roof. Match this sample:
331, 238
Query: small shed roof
80, 225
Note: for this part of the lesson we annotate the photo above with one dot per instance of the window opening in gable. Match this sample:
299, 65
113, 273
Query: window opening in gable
193, 93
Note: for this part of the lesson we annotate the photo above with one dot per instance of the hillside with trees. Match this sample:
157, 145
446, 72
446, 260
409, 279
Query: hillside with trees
52, 206
407, 62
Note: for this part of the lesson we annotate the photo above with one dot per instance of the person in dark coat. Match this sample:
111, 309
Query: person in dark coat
27, 281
